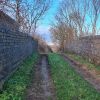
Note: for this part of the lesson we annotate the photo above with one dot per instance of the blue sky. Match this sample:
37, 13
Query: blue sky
45, 23
49, 17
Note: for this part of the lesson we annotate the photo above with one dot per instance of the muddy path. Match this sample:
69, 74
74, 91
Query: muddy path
42, 87
88, 75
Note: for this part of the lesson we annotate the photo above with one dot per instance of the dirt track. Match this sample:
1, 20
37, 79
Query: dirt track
42, 86
89, 75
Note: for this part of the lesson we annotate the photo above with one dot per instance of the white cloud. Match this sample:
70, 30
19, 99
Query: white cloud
42, 30
50, 43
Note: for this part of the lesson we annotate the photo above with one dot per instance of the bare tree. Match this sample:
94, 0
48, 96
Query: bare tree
27, 13
70, 21
95, 14
38, 9
13, 7
62, 33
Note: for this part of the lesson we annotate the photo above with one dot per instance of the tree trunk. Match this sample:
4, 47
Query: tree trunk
18, 11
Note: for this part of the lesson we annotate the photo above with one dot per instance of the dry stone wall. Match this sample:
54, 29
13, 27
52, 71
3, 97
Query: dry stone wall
88, 47
14, 47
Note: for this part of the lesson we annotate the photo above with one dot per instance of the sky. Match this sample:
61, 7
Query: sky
44, 25
45, 22
48, 18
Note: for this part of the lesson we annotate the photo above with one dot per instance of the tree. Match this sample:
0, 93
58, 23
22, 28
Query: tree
27, 13
72, 20
95, 5
62, 33
38, 9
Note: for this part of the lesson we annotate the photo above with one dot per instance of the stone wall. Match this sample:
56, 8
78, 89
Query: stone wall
7, 22
14, 47
88, 47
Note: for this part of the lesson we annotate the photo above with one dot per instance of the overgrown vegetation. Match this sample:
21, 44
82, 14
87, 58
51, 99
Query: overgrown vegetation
83, 61
74, 20
16, 85
68, 84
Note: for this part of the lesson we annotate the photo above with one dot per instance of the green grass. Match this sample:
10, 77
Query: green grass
15, 87
83, 61
68, 84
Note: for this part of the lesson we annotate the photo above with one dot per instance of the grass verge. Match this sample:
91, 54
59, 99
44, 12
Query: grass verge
69, 85
14, 88
83, 61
